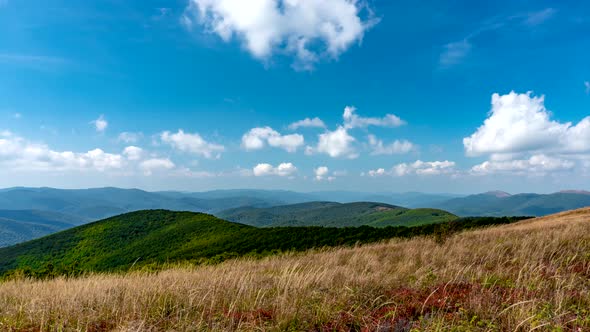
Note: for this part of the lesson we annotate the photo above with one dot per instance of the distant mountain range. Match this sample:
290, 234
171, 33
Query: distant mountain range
498, 203
22, 225
335, 215
59, 209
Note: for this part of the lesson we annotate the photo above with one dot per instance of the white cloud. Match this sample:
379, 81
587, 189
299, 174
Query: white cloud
17, 153
306, 29
351, 120
129, 138
520, 123
100, 124
133, 153
17, 116
308, 123
397, 147
155, 164
189, 173
418, 167
258, 138
192, 143
535, 165
284, 169
520, 137
454, 53
377, 172
323, 173
587, 86
336, 144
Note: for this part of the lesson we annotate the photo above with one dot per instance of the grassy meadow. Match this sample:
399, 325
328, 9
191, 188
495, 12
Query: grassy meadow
529, 276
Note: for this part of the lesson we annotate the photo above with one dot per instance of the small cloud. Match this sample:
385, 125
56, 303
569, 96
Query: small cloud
284, 169
352, 120
454, 53
418, 167
587, 85
308, 123
18, 115
100, 124
336, 144
128, 137
258, 138
192, 143
322, 173
539, 17
151, 165
396, 147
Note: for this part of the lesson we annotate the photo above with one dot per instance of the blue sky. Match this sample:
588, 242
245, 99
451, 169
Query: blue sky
200, 94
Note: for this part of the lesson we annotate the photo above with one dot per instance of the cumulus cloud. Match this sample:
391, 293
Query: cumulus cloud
306, 29
308, 123
519, 136
284, 169
155, 164
352, 120
129, 138
133, 153
323, 173
336, 144
258, 138
18, 153
418, 167
396, 147
535, 165
520, 123
377, 172
192, 143
100, 124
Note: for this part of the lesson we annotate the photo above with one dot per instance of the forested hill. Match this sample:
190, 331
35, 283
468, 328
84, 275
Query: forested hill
156, 237
335, 215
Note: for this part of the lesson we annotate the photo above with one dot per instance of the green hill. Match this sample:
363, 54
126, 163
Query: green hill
157, 237
335, 215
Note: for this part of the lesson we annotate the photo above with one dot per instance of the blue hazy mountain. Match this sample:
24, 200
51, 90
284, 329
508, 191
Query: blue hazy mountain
22, 225
498, 203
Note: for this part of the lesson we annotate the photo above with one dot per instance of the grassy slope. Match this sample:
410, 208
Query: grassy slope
160, 236
336, 215
532, 275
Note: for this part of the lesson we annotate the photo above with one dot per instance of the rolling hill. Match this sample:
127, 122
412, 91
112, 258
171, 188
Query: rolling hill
527, 276
22, 225
333, 214
156, 237
503, 204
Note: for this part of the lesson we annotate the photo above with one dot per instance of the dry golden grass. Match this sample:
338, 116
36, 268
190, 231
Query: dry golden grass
534, 275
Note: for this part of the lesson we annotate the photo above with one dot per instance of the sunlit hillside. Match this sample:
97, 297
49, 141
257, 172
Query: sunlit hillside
532, 275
